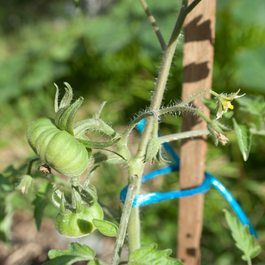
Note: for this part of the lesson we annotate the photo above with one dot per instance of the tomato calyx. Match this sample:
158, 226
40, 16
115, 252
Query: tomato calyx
77, 212
64, 119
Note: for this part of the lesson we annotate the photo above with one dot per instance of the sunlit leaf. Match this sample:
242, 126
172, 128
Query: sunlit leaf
150, 256
244, 240
244, 138
40, 201
76, 252
106, 228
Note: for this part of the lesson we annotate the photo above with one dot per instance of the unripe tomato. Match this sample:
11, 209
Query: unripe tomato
78, 224
57, 148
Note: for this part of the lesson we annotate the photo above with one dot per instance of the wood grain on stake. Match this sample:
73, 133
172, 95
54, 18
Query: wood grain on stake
197, 76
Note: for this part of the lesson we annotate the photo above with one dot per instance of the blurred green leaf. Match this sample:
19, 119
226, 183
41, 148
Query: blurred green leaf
249, 68
210, 104
251, 104
76, 252
244, 241
41, 200
150, 256
244, 138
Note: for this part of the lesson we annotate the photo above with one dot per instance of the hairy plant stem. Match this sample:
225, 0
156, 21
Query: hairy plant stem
183, 135
136, 166
30, 165
123, 225
154, 25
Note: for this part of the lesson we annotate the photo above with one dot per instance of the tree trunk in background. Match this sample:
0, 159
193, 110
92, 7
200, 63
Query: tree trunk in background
197, 76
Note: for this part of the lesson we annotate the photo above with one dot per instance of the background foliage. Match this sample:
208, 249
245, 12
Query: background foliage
110, 53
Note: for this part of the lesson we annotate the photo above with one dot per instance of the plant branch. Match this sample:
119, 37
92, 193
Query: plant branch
163, 74
30, 165
183, 135
154, 25
137, 165
192, 5
123, 225
257, 132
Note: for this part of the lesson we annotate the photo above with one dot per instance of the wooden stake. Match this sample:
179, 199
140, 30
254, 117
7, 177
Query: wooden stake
197, 76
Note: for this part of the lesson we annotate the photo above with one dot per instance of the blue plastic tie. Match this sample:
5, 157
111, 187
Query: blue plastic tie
154, 197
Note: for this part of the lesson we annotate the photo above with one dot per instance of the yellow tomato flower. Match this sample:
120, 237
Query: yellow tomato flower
225, 103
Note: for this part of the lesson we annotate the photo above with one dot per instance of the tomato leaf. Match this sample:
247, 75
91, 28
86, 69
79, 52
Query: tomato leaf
106, 228
251, 104
244, 138
150, 256
244, 240
76, 252
40, 202
96, 262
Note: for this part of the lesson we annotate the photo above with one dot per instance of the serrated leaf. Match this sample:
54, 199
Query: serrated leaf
244, 240
76, 252
244, 138
251, 104
255, 251
106, 228
42, 196
150, 256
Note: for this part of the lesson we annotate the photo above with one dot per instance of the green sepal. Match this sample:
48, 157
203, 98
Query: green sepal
62, 205
98, 145
87, 193
92, 124
213, 134
153, 149
68, 96
77, 201
96, 116
56, 197
65, 116
25, 183
81, 127
56, 100
90, 175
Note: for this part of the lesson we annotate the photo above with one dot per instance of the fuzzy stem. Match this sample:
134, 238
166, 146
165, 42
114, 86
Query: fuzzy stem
183, 135
249, 261
123, 225
30, 165
257, 132
134, 224
154, 25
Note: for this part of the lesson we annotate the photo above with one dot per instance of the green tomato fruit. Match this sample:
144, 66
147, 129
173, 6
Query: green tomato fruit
57, 148
78, 224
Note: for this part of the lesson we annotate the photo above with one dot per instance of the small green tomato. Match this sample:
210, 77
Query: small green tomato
57, 148
78, 224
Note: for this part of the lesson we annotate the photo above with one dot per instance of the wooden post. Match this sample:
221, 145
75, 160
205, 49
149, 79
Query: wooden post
197, 76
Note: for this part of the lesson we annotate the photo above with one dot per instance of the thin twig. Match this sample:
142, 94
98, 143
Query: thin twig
123, 225
183, 135
192, 5
154, 25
